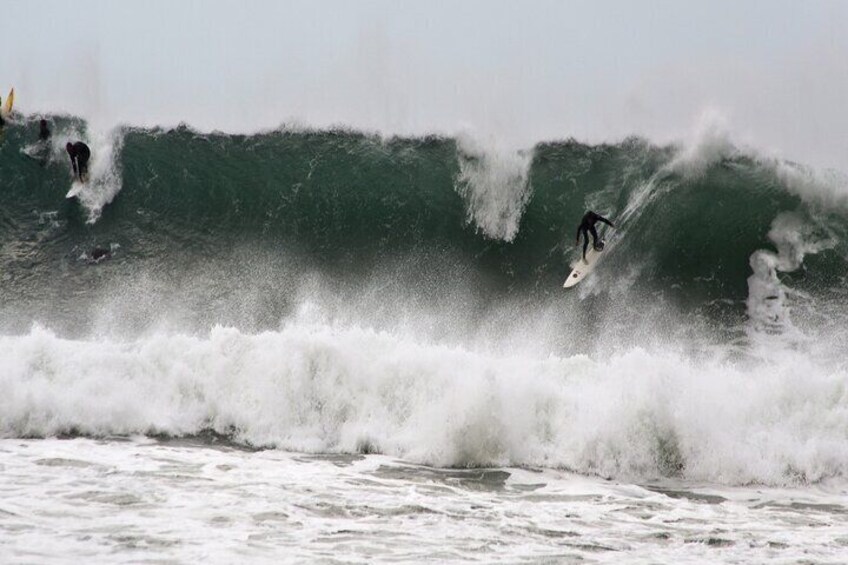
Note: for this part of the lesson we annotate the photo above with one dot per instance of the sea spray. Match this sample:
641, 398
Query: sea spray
494, 183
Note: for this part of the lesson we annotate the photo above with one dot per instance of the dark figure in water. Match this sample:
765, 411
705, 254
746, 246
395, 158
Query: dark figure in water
99, 254
80, 154
43, 132
586, 227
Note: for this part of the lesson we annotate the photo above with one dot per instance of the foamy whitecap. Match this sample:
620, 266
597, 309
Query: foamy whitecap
317, 387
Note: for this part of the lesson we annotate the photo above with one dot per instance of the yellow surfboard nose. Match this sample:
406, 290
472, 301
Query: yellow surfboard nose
10, 102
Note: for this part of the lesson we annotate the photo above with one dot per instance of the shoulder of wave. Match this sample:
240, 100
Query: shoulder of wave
825, 187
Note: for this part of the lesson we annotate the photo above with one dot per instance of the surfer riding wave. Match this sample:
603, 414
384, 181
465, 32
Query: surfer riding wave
79, 154
587, 226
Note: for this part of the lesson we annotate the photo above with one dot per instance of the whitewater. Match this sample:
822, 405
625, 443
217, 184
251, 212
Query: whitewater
329, 345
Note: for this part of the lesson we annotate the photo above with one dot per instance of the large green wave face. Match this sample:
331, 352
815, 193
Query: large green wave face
340, 292
243, 229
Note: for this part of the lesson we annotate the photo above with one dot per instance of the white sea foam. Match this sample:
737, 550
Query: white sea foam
322, 387
185, 502
767, 304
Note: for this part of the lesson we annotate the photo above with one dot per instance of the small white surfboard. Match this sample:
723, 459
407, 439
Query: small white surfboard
581, 268
76, 188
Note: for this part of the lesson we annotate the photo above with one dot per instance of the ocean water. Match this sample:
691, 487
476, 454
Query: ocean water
335, 346
141, 500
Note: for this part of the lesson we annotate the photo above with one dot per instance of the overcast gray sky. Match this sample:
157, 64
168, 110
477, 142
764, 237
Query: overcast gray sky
777, 71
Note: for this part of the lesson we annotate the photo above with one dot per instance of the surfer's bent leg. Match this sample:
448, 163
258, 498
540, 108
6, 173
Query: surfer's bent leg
594, 237
585, 241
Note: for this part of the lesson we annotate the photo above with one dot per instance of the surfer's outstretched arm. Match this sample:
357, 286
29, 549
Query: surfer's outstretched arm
577, 239
607, 222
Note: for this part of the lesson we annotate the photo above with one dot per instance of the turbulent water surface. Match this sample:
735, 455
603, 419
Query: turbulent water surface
330, 345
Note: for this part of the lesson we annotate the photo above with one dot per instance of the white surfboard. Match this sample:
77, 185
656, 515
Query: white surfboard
581, 268
76, 188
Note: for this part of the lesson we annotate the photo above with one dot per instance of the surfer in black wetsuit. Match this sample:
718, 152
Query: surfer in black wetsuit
99, 254
80, 154
43, 132
586, 227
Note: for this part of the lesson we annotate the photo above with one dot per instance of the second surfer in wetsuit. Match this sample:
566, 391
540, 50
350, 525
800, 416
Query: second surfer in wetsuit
99, 254
80, 154
586, 227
